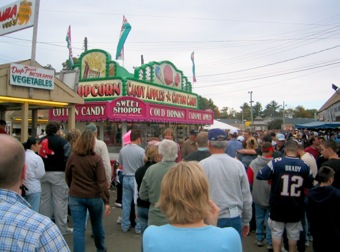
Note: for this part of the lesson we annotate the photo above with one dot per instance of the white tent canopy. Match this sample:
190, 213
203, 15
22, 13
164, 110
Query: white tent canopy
220, 125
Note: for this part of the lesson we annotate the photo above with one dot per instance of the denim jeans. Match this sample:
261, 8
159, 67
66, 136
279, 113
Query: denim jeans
128, 193
262, 215
235, 222
143, 214
143, 218
34, 200
79, 207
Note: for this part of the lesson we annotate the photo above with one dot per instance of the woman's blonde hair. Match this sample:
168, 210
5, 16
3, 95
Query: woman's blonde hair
151, 154
85, 144
184, 196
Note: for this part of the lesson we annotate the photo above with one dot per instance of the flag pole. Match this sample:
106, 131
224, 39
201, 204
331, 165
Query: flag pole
35, 31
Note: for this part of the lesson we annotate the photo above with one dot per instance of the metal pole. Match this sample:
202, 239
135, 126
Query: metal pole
283, 115
25, 107
35, 31
251, 107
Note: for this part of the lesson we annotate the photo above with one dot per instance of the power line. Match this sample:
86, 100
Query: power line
271, 76
272, 64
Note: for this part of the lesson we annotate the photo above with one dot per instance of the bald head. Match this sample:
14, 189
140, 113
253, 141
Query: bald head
12, 161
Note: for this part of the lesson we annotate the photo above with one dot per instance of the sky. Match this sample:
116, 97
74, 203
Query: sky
287, 51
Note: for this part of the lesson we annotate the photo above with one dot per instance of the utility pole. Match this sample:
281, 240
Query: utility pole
251, 107
283, 115
85, 44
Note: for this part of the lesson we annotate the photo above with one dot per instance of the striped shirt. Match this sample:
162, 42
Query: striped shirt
22, 229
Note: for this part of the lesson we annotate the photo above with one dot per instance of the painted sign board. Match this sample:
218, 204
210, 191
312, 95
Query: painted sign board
17, 16
32, 77
128, 108
159, 94
85, 112
132, 109
100, 90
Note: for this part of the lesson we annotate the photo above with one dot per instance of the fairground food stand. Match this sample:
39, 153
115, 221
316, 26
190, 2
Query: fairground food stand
155, 97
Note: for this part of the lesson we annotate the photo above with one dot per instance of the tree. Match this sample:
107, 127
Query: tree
257, 109
204, 104
271, 109
224, 112
275, 124
49, 67
312, 112
301, 112
245, 112
66, 64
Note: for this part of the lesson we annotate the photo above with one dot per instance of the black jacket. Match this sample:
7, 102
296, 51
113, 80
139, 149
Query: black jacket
323, 212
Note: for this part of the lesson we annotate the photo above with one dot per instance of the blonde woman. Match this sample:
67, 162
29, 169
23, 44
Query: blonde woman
151, 157
184, 199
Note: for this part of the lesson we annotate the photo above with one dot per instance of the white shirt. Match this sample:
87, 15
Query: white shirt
310, 160
35, 169
101, 149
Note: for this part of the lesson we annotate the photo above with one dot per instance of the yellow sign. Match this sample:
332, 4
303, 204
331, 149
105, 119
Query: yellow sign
94, 65
16, 16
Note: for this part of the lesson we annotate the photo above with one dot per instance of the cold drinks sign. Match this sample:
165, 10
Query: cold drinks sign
33, 77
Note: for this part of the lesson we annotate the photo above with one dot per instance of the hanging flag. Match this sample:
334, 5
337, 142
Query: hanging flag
124, 32
334, 87
193, 67
69, 46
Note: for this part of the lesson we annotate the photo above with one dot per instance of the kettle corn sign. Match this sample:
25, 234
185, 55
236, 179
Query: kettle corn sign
16, 16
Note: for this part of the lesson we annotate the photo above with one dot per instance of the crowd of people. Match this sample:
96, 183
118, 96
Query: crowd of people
284, 186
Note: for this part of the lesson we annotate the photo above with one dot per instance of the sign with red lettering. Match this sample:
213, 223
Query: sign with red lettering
100, 90
153, 93
33, 77
131, 109
16, 16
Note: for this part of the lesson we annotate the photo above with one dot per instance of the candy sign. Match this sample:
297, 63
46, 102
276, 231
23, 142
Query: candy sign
33, 77
157, 94
16, 16
128, 107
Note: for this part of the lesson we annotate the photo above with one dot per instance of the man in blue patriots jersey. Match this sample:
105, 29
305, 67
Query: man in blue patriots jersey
290, 177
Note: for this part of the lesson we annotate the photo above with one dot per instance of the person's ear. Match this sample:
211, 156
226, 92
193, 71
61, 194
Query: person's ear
331, 180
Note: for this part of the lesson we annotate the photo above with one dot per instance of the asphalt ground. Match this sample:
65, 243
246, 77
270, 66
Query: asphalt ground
117, 241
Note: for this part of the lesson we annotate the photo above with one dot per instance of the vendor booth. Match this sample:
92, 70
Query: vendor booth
27, 86
157, 95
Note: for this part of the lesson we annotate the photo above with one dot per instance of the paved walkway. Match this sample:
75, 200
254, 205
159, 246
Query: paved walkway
117, 241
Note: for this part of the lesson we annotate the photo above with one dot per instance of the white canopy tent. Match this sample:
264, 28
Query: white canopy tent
220, 125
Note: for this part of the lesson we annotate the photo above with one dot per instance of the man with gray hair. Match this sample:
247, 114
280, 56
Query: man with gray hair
151, 184
229, 186
21, 228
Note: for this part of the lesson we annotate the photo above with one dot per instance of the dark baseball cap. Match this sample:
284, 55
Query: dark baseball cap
194, 132
217, 135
